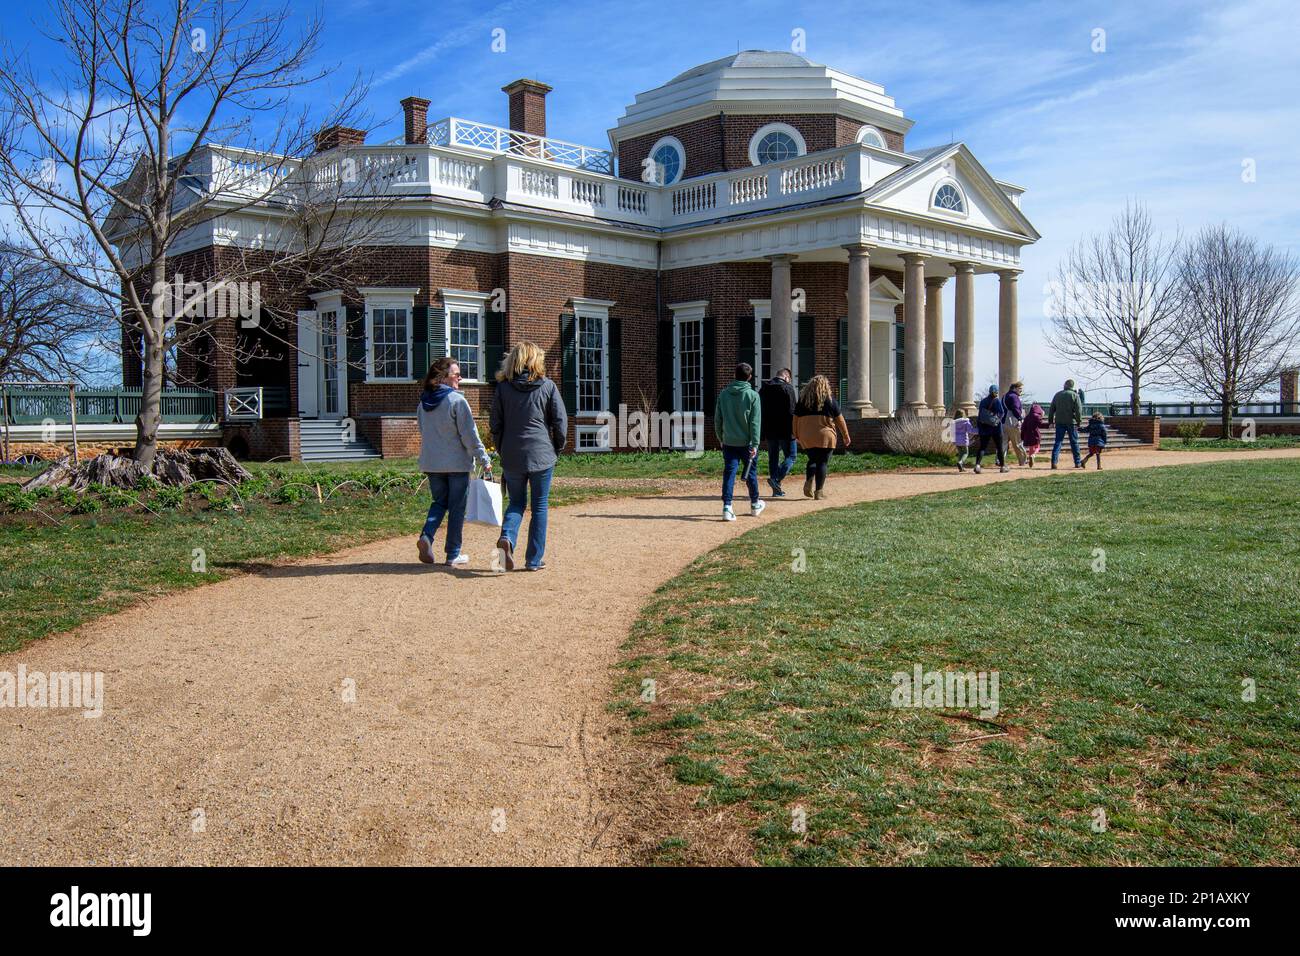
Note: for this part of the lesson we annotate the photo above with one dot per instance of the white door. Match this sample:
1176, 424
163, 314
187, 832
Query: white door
883, 380
309, 365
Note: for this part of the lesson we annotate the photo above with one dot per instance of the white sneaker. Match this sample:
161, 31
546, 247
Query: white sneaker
459, 561
1004, 469
757, 507
979, 470
728, 514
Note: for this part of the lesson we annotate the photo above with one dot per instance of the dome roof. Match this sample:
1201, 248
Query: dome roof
757, 81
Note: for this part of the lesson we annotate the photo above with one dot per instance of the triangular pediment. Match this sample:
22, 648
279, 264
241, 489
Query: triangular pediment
984, 204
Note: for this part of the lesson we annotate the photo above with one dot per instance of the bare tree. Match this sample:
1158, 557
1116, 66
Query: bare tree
171, 119
1242, 303
50, 326
1114, 303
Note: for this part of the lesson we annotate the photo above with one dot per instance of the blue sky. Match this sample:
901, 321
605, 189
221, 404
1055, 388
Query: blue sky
1183, 95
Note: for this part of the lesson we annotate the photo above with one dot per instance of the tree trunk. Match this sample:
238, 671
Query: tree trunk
150, 415
1225, 417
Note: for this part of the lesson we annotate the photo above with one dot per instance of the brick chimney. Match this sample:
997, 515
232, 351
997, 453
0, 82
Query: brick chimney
333, 137
417, 119
527, 106
1289, 398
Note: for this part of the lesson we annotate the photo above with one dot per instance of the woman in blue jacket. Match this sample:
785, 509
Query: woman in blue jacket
990, 416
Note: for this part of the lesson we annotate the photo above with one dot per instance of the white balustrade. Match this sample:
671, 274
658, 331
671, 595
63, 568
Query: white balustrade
695, 197
587, 191
750, 188
539, 182
816, 174
632, 200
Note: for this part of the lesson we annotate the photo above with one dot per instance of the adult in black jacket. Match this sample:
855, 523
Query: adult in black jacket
778, 400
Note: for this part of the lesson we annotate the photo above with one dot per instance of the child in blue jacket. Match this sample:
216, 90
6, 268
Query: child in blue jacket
1097, 433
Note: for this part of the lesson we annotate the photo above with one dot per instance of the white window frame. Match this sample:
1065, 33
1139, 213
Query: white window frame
775, 128
379, 297
602, 434
676, 144
763, 310
458, 300
591, 309
687, 312
965, 200
871, 131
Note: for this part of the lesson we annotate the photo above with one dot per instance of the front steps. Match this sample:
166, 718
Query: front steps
326, 439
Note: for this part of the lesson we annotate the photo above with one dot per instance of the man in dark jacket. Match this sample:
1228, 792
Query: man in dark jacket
1015, 417
778, 400
1066, 413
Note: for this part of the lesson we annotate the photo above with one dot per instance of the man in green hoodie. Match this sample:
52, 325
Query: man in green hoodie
737, 421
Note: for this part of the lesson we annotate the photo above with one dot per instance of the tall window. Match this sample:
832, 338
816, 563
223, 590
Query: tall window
591, 364
329, 339
763, 340
391, 346
688, 356
465, 343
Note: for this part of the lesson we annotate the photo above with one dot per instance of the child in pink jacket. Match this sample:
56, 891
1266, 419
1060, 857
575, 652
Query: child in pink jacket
1031, 432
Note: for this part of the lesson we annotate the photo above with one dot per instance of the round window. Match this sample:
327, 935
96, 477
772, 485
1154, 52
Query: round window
777, 146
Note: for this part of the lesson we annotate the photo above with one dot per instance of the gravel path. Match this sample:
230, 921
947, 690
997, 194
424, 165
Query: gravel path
478, 733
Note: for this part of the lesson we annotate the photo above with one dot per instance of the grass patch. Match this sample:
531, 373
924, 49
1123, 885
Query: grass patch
1120, 690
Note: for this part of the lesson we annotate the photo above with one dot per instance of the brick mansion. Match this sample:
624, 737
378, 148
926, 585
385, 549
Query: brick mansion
759, 208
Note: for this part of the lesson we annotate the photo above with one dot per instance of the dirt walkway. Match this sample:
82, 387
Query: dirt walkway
478, 733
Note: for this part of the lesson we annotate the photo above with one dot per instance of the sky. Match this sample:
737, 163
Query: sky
1086, 105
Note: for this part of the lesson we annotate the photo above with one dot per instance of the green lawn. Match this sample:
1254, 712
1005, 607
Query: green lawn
1121, 690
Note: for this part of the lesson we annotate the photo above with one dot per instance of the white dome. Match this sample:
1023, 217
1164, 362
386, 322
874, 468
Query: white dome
758, 81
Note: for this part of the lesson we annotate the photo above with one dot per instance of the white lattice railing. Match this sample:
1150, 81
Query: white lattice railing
242, 404
454, 131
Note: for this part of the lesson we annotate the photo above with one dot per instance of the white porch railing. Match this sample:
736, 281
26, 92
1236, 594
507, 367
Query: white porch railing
454, 131
242, 404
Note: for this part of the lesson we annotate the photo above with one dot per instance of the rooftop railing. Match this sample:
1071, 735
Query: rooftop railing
454, 131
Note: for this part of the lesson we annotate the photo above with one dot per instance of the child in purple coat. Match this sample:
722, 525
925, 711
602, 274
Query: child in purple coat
962, 430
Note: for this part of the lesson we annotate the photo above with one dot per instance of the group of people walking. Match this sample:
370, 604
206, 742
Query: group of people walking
810, 421
1003, 422
529, 429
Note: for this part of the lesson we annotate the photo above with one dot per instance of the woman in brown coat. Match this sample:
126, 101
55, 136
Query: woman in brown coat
818, 425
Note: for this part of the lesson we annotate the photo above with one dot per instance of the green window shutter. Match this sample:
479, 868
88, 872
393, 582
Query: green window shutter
745, 343
664, 371
710, 369
354, 326
844, 361
436, 323
949, 353
807, 349
898, 365
494, 343
569, 364
420, 360
614, 362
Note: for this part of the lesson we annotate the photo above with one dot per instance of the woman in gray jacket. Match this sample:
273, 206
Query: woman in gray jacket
529, 427
449, 443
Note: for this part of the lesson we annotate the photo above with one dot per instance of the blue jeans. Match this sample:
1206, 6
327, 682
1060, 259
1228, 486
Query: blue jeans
450, 491
1061, 431
776, 468
737, 457
518, 485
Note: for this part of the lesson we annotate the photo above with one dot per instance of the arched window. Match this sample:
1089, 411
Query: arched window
774, 143
668, 159
949, 198
870, 136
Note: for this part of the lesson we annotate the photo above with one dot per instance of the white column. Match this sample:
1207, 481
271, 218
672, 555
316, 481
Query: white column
859, 332
782, 317
914, 335
963, 371
934, 343
1008, 332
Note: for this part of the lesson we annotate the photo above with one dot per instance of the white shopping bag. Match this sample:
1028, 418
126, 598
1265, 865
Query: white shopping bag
484, 506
